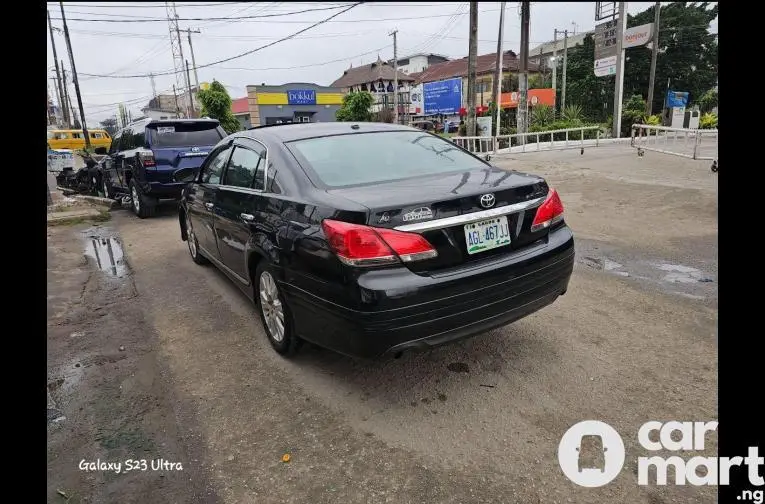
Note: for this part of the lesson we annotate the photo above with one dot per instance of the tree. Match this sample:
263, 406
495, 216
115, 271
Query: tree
687, 52
356, 107
110, 125
708, 101
123, 116
216, 104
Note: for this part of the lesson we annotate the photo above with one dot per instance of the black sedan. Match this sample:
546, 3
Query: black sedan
371, 239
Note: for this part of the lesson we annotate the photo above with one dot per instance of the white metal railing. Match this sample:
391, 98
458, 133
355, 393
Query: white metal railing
699, 144
570, 138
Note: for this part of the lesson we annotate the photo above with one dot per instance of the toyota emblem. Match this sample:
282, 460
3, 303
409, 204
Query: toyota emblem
487, 200
195, 149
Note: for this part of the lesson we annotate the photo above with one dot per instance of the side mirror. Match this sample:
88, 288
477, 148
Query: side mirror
487, 157
185, 174
100, 151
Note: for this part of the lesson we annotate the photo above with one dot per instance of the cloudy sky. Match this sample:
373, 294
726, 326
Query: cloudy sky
132, 40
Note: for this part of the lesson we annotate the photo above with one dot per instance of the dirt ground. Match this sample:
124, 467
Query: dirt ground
151, 356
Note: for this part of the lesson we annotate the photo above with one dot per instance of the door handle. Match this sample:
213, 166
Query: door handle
247, 217
209, 206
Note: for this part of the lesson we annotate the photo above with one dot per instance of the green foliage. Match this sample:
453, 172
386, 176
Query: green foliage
708, 121
572, 113
542, 115
216, 104
356, 107
687, 52
633, 112
708, 100
562, 124
540, 81
654, 120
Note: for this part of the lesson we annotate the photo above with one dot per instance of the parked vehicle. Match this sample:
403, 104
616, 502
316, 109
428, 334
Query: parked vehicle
373, 238
424, 125
75, 140
145, 154
84, 180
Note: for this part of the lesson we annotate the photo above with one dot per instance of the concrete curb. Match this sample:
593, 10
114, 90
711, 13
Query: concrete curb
109, 203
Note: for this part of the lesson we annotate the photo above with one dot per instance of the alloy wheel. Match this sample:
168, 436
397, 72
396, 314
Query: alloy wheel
273, 311
136, 203
190, 238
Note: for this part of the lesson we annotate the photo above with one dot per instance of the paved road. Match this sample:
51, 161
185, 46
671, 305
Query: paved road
477, 421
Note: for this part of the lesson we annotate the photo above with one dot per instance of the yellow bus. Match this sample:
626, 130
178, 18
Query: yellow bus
75, 140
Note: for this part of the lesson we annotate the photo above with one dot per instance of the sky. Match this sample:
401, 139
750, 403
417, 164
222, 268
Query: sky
319, 55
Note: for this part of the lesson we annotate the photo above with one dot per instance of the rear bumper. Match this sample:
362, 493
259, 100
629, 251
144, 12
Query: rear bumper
162, 190
402, 310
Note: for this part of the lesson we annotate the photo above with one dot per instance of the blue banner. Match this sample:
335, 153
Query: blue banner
442, 97
301, 97
677, 99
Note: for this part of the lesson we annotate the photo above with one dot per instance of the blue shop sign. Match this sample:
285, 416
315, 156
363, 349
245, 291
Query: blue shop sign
301, 97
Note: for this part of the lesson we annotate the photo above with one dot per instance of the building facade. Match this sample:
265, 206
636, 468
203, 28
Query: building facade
543, 53
171, 106
293, 102
378, 78
241, 110
418, 62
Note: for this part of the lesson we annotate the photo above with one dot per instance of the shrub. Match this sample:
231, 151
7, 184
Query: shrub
654, 120
542, 115
708, 121
572, 113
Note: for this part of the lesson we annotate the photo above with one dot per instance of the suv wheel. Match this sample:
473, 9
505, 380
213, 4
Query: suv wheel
142, 206
191, 241
274, 312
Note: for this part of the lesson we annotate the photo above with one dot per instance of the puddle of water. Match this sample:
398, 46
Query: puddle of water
677, 273
108, 255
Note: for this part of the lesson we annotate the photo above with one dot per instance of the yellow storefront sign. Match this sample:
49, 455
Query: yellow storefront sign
281, 99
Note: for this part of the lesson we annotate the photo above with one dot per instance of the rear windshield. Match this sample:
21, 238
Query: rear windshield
184, 134
369, 158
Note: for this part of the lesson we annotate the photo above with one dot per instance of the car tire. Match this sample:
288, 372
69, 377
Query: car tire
270, 303
191, 240
142, 206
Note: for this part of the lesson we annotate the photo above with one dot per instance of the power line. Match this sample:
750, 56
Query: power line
322, 63
246, 53
143, 19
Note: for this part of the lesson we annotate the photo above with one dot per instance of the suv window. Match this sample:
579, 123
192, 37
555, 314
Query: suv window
245, 167
184, 134
213, 169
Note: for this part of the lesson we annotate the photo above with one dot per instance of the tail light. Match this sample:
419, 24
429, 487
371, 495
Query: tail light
358, 245
549, 213
147, 159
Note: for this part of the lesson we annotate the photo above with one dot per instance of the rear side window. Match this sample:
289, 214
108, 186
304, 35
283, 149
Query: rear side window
184, 134
214, 168
345, 160
245, 168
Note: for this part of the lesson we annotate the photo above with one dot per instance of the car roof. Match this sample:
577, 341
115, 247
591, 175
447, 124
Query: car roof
298, 131
148, 120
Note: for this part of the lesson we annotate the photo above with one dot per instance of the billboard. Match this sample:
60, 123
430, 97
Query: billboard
442, 97
415, 107
676, 99
637, 35
533, 96
301, 97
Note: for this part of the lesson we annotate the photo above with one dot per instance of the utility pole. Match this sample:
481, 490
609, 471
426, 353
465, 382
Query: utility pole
55, 60
621, 27
188, 32
555, 68
177, 108
395, 76
153, 86
523, 75
74, 77
565, 64
654, 56
191, 100
498, 70
64, 89
472, 56
185, 74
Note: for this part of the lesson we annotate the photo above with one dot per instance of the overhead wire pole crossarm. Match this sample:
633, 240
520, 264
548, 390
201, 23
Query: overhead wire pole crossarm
74, 77
241, 55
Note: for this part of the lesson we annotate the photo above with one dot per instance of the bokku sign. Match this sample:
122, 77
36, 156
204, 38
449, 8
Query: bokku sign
301, 97
533, 97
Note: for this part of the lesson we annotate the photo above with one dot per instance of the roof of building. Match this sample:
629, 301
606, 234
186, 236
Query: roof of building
428, 55
240, 106
549, 46
369, 73
485, 63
